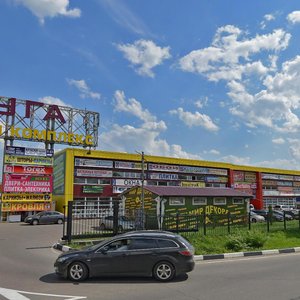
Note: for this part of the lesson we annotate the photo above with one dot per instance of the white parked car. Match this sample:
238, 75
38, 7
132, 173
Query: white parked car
256, 218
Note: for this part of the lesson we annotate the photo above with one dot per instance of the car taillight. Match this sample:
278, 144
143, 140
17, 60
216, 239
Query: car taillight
186, 253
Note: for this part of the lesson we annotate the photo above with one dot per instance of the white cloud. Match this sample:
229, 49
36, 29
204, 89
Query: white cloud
294, 17
201, 102
236, 160
278, 141
229, 55
53, 100
50, 8
144, 55
85, 91
195, 119
145, 138
267, 18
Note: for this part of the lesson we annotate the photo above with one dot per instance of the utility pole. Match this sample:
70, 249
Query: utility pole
142, 192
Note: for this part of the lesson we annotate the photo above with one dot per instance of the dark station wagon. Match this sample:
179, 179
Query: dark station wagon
162, 255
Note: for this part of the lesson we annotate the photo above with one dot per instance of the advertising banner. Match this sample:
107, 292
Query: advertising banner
93, 173
92, 189
128, 182
129, 165
93, 163
250, 177
26, 197
59, 166
270, 176
238, 176
27, 183
163, 176
15, 207
215, 179
28, 160
166, 168
198, 184
189, 169
28, 151
217, 171
28, 170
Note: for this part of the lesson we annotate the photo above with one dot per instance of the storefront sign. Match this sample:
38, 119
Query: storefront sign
93, 162
245, 186
26, 197
28, 160
198, 184
28, 170
27, 183
269, 176
215, 179
217, 171
166, 168
15, 207
128, 182
28, 151
163, 176
92, 189
250, 177
92, 173
238, 176
190, 169
129, 165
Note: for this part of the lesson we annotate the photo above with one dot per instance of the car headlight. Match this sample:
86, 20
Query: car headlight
62, 259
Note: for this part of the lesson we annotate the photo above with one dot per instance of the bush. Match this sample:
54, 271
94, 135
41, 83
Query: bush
246, 240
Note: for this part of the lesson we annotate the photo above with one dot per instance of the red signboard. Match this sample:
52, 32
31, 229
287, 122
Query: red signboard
27, 183
28, 170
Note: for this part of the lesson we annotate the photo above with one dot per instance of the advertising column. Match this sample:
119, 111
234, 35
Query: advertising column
27, 182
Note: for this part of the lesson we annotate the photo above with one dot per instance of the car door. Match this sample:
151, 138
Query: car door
143, 254
111, 259
45, 218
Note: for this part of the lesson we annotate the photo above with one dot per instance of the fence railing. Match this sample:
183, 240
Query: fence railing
114, 221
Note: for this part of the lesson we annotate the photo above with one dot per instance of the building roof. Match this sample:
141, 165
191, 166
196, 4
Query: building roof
196, 192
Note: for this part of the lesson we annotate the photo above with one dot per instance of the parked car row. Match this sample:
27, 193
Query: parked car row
276, 215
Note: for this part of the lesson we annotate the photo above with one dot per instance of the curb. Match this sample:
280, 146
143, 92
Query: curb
246, 254
64, 248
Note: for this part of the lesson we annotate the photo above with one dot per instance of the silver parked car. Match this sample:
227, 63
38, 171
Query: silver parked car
124, 223
255, 217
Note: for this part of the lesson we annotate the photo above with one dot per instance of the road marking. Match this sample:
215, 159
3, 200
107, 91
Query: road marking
17, 295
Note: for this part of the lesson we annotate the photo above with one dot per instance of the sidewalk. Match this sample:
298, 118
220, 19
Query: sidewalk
64, 248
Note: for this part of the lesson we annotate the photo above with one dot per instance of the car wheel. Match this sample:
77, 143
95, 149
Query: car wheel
60, 221
164, 271
120, 228
78, 271
102, 226
35, 222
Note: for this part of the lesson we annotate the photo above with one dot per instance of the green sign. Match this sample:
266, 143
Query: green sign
92, 189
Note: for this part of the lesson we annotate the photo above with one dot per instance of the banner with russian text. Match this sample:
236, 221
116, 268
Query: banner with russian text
28, 170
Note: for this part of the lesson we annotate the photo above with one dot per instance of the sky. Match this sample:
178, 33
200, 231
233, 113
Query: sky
207, 80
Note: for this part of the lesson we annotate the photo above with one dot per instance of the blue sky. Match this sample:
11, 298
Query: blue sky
211, 80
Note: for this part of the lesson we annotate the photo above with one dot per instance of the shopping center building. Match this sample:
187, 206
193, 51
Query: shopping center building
90, 175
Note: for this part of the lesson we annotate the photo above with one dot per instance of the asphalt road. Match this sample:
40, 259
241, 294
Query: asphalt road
26, 272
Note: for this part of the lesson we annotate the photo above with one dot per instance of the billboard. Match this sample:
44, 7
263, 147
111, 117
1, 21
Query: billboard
28, 160
26, 197
28, 151
87, 162
28, 170
29, 120
16, 207
27, 183
93, 173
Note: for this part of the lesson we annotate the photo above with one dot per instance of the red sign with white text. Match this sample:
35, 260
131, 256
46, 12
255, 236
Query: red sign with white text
28, 170
27, 183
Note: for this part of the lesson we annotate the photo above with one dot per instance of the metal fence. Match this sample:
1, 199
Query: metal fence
114, 221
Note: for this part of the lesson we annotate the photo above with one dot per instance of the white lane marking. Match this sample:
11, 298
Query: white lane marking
16, 295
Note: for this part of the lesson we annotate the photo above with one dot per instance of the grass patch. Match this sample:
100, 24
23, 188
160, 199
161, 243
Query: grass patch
243, 241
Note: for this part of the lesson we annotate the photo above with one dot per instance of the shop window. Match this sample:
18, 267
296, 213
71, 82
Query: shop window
237, 201
199, 201
219, 201
176, 201
92, 180
79, 180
